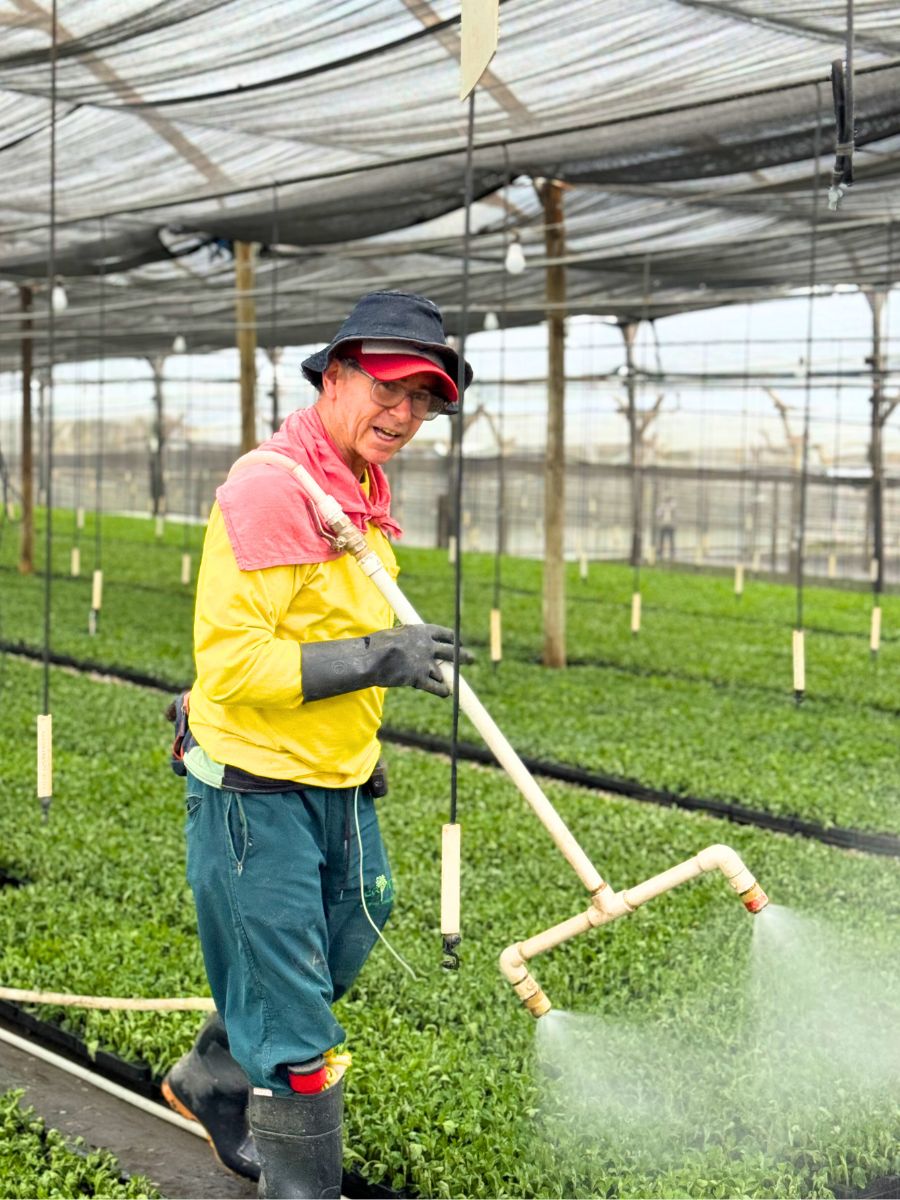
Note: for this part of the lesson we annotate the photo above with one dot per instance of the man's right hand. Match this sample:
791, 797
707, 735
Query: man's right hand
406, 656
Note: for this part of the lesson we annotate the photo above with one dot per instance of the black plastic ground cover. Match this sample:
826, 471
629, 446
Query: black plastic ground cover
848, 839
138, 1078
887, 844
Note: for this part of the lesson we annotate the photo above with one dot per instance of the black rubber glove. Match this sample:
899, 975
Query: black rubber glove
407, 656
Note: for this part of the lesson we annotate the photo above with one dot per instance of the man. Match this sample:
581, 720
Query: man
665, 517
294, 647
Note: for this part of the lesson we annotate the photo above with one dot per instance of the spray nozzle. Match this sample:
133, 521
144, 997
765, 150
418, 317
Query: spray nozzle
451, 958
754, 899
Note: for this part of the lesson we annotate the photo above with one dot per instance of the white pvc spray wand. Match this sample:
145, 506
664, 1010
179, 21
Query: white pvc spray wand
606, 905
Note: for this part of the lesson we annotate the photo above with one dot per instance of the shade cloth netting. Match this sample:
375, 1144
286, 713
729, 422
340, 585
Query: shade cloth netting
331, 133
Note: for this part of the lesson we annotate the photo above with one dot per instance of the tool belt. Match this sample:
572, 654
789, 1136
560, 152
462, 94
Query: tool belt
234, 779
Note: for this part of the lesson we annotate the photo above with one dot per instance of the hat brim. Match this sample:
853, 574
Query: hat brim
314, 366
389, 367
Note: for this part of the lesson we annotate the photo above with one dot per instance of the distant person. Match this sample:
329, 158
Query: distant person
294, 648
665, 526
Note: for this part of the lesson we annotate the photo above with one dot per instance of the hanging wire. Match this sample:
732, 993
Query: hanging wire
458, 473
101, 388
51, 354
500, 537
836, 453
807, 399
273, 309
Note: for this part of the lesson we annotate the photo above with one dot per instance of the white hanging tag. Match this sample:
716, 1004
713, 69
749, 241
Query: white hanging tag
873, 570
75, 562
450, 879
636, 612
97, 591
799, 662
45, 757
496, 636
451, 549
875, 632
479, 33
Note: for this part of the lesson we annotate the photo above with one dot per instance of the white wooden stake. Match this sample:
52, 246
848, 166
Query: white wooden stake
451, 549
76, 562
832, 566
636, 612
496, 636
873, 570
739, 579
79, 518
875, 634
799, 663
583, 566
756, 562
160, 525
185, 569
651, 555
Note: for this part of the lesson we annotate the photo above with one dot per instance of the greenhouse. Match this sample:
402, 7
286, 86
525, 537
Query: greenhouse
449, 473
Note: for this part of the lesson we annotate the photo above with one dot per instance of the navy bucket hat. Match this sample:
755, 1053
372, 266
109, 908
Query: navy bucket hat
391, 317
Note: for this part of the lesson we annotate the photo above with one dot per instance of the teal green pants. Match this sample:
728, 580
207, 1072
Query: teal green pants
282, 914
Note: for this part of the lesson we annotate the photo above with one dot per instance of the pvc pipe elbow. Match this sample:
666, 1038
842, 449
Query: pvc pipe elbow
729, 862
512, 964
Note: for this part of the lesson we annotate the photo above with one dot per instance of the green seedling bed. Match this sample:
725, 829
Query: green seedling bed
699, 704
455, 1090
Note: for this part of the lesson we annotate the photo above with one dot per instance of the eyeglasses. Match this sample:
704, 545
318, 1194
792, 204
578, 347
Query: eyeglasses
424, 405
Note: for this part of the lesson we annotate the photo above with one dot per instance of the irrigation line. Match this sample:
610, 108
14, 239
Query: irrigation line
848, 839
127, 1081
100, 1081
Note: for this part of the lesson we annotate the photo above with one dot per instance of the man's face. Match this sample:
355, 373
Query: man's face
362, 430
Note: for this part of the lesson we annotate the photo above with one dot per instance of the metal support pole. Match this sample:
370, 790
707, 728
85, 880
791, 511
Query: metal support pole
157, 441
876, 450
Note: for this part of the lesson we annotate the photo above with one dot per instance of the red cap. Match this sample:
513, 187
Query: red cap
396, 363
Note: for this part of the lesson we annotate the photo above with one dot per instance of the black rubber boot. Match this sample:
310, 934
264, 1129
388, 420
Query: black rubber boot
208, 1086
298, 1139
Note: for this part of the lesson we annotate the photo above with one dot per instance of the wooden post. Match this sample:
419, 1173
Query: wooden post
157, 441
245, 312
26, 545
555, 465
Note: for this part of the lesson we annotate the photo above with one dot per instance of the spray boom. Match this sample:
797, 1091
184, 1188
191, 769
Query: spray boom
606, 905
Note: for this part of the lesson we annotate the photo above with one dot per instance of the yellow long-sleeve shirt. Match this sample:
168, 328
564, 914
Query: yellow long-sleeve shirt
247, 705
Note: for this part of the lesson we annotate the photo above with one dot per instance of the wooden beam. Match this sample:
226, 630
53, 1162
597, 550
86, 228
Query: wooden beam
245, 313
26, 545
554, 654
